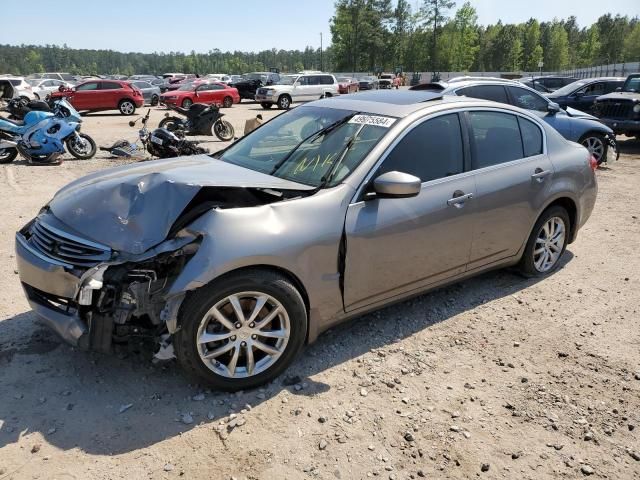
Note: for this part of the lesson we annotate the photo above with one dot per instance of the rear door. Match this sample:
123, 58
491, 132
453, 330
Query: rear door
216, 93
314, 90
585, 97
396, 245
300, 90
513, 176
110, 95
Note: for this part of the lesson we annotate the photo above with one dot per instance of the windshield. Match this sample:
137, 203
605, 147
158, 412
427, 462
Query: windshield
632, 85
567, 89
187, 87
34, 82
292, 147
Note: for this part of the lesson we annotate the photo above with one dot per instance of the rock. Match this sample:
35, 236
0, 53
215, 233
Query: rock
363, 392
454, 428
124, 408
467, 435
408, 436
635, 455
485, 467
261, 396
516, 455
588, 436
211, 416
637, 376
168, 467
18, 396
290, 381
371, 447
69, 406
455, 414
323, 444
186, 418
241, 421
587, 470
405, 400
563, 354
516, 344
420, 473
297, 387
323, 419
35, 448
198, 398
42, 399
51, 431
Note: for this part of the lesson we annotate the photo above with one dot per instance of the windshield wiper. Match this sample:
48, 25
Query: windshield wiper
324, 181
312, 137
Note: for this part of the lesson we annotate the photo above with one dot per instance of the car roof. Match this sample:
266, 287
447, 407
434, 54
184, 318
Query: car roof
398, 103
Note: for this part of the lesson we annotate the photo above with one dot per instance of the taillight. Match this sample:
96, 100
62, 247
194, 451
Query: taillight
593, 163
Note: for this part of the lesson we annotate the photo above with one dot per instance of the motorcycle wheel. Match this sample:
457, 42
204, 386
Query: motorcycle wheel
8, 155
83, 148
223, 130
171, 123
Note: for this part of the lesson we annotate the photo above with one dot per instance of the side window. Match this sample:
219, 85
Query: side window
495, 93
595, 89
531, 137
326, 80
50, 75
527, 99
110, 86
303, 80
430, 151
611, 86
215, 86
48, 83
314, 80
87, 86
495, 138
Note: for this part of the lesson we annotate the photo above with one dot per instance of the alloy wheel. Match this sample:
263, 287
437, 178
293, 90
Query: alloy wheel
595, 145
549, 244
127, 108
243, 334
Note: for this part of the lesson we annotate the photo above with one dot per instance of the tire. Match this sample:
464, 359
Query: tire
36, 96
530, 264
170, 123
155, 100
284, 102
186, 103
223, 130
78, 151
266, 105
127, 107
328, 95
227, 102
597, 145
8, 155
196, 320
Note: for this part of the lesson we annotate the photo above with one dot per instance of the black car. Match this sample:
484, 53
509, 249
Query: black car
368, 83
252, 81
582, 94
620, 110
548, 83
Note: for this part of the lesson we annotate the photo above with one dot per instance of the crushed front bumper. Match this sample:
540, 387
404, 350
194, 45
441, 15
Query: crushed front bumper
622, 126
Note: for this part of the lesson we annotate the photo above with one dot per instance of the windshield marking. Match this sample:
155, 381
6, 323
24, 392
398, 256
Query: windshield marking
376, 120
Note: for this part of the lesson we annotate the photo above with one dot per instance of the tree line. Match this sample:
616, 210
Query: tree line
436, 36
376, 35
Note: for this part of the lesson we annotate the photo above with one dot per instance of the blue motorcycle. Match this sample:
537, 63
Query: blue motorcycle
41, 136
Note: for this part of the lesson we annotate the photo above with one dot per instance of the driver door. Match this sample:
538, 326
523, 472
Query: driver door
84, 96
584, 98
397, 245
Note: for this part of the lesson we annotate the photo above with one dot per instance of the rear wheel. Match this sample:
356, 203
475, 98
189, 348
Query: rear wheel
155, 100
223, 130
8, 155
170, 123
127, 107
547, 243
597, 145
227, 102
241, 331
186, 103
266, 105
81, 146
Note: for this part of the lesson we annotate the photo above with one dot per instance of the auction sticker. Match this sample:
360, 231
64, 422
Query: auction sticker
376, 120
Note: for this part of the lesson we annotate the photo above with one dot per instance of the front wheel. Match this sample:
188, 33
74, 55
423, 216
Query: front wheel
223, 130
547, 243
155, 100
284, 102
241, 331
186, 103
127, 107
81, 146
227, 102
266, 105
597, 145
8, 155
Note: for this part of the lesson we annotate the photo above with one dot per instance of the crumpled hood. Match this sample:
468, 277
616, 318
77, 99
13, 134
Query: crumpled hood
132, 208
572, 112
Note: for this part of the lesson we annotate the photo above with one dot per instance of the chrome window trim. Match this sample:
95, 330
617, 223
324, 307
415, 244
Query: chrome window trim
419, 117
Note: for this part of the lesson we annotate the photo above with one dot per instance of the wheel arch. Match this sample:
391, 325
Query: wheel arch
571, 206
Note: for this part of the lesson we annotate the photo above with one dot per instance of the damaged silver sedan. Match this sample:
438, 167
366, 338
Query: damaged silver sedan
326, 212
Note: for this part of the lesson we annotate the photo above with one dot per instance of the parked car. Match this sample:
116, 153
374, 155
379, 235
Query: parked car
387, 80
347, 85
43, 87
99, 95
207, 93
572, 124
547, 83
63, 76
368, 83
297, 88
252, 81
620, 110
150, 93
331, 210
582, 94
233, 79
17, 87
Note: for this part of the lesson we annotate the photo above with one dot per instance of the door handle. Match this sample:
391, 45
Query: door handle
540, 174
458, 199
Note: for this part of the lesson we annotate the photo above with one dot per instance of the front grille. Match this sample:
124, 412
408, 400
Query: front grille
615, 109
262, 91
65, 247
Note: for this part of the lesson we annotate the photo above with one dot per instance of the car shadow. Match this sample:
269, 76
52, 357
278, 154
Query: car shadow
117, 403
629, 146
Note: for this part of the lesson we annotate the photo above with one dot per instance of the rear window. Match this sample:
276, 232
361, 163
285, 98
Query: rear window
15, 83
531, 137
110, 86
495, 93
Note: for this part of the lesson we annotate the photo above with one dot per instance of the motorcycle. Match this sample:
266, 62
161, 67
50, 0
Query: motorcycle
201, 120
159, 143
41, 136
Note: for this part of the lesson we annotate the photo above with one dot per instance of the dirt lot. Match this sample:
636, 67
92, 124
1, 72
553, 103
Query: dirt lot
497, 377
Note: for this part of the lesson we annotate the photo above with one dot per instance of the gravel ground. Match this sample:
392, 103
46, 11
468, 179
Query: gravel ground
496, 377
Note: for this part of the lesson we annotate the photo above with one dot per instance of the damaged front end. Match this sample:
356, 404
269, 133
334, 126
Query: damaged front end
93, 296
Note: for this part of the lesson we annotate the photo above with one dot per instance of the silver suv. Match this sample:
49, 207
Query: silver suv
297, 88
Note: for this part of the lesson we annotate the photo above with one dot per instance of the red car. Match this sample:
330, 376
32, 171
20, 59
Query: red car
348, 85
201, 92
97, 95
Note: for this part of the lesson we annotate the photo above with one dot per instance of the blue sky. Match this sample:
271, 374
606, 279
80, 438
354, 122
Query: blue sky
249, 25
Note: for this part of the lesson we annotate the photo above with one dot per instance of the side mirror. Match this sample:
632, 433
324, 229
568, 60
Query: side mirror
579, 94
553, 108
396, 185
618, 89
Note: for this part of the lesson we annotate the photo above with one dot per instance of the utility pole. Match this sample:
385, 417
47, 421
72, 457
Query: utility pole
321, 63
